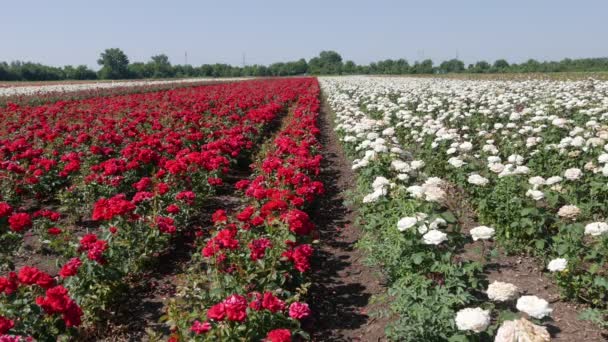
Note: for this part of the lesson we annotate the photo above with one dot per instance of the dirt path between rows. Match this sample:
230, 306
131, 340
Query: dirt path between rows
342, 286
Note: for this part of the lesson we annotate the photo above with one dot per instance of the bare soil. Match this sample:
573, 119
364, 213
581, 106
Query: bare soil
342, 285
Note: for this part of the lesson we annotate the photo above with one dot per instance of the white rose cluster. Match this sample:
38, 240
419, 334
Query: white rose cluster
534, 306
473, 319
502, 292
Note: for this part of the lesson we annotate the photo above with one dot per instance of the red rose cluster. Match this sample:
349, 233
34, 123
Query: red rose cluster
145, 163
269, 239
55, 301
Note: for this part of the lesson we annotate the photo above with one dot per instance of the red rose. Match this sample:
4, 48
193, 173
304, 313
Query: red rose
5, 325
96, 251
9, 285
162, 188
245, 215
72, 316
242, 184
56, 300
279, 335
236, 308
5, 209
257, 221
31, 275
186, 196
272, 303
299, 310
219, 216
200, 328
258, 248
226, 239
143, 184
54, 231
173, 209
19, 221
87, 241
106, 209
214, 181
166, 225
217, 312
298, 221
256, 303
70, 268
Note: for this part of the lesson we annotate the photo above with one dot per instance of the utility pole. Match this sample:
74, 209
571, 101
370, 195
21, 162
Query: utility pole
186, 58
244, 60
421, 54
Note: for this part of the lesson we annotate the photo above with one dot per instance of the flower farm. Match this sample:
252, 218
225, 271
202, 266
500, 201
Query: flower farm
294, 209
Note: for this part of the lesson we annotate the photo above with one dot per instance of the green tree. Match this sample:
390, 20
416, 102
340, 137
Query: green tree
81, 72
453, 65
480, 67
328, 63
140, 70
500, 65
160, 66
424, 67
114, 64
349, 68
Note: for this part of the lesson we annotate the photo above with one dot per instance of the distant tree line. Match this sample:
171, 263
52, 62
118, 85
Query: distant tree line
116, 65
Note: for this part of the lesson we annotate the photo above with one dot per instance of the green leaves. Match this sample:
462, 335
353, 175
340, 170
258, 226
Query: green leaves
448, 216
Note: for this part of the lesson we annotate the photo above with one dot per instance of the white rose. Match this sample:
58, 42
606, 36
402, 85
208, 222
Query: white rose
502, 292
389, 132
416, 191
455, 162
496, 167
534, 306
553, 180
536, 181
482, 233
493, 160
521, 330
596, 228
521, 170
568, 211
400, 166
557, 265
603, 158
476, 179
434, 237
465, 146
403, 176
380, 182
535, 194
474, 319
573, 174
433, 193
438, 222
417, 164
406, 223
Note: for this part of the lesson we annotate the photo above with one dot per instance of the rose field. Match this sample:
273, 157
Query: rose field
351, 208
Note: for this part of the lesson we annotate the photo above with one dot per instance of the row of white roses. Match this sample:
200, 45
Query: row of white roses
73, 87
375, 137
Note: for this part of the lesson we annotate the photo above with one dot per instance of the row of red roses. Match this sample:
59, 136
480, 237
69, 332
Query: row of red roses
282, 186
107, 209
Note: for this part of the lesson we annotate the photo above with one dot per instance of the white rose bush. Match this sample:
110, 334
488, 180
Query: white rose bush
531, 159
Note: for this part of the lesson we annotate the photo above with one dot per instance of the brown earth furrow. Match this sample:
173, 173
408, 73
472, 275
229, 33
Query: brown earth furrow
342, 285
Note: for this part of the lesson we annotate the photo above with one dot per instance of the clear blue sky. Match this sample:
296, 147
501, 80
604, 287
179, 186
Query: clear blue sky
75, 31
